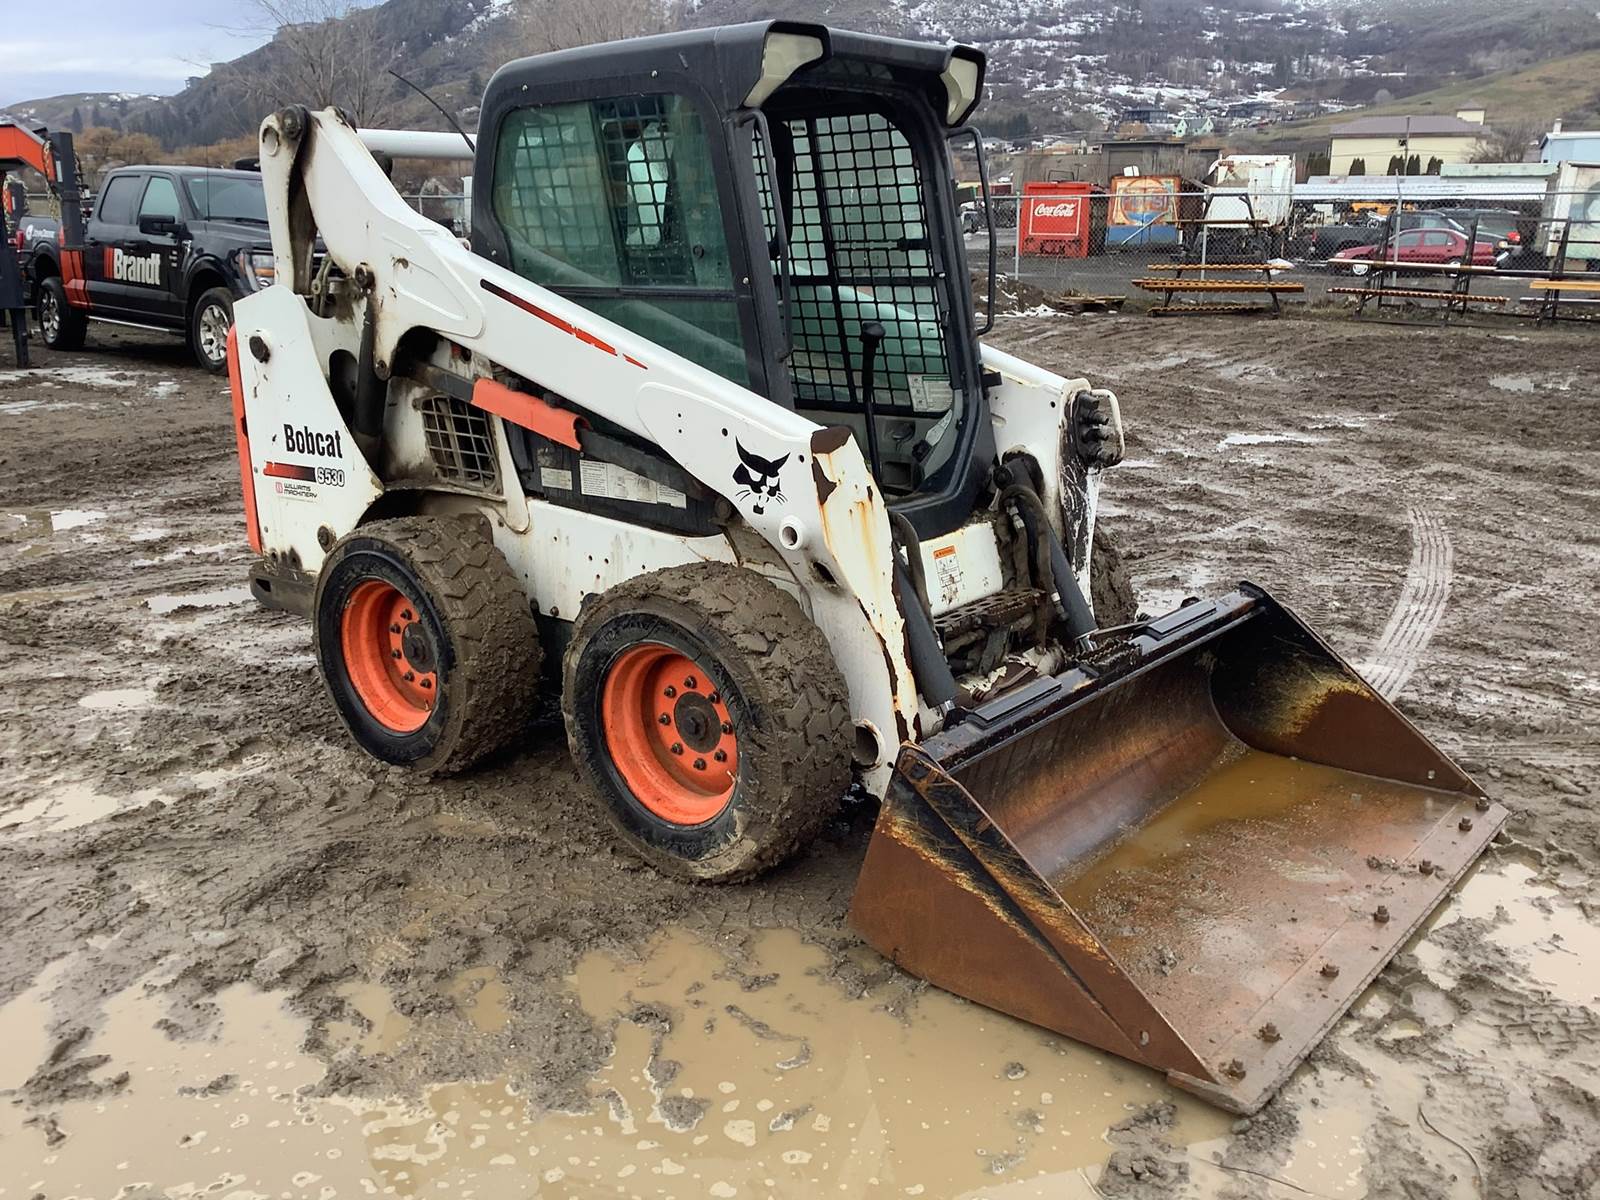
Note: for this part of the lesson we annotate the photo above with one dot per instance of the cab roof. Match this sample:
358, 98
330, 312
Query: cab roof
726, 61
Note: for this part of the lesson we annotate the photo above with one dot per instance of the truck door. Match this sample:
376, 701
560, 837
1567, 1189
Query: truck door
155, 267
115, 224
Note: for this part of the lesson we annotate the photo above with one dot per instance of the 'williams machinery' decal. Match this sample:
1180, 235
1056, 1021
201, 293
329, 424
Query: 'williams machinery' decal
758, 477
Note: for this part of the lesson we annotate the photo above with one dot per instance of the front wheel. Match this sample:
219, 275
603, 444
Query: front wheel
208, 328
709, 719
1110, 586
426, 642
62, 325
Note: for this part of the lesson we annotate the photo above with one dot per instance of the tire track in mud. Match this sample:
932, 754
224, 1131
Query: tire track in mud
1418, 609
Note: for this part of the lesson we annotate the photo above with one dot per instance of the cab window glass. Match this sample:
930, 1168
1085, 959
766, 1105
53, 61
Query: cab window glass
612, 202
160, 199
118, 200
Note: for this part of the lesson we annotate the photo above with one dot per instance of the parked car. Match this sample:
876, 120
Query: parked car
166, 248
1510, 231
1445, 247
1329, 240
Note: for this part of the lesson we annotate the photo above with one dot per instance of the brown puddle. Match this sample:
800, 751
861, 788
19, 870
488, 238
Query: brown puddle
783, 1087
739, 1073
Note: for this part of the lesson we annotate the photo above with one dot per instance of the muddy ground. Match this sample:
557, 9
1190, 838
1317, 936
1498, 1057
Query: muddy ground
242, 959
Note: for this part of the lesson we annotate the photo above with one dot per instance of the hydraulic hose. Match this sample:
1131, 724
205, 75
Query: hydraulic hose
1057, 575
929, 666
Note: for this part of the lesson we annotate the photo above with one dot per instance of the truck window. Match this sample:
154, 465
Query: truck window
227, 198
613, 203
118, 200
160, 199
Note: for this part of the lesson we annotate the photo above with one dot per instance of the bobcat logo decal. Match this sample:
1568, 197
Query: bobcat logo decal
758, 477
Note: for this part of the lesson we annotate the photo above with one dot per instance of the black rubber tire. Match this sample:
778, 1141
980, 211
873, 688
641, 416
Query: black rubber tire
70, 325
479, 627
1111, 589
785, 698
217, 297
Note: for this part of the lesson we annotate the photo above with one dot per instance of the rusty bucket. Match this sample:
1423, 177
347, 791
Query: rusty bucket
1195, 856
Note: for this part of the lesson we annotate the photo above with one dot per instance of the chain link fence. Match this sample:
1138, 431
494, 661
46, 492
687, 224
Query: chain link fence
1154, 246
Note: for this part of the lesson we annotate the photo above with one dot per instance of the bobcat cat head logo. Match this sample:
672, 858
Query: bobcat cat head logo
758, 477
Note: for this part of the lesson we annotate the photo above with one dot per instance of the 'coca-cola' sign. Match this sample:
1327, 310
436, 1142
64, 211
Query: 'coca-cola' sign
1051, 216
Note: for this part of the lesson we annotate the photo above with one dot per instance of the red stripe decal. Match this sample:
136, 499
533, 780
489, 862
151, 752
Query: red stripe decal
289, 471
561, 323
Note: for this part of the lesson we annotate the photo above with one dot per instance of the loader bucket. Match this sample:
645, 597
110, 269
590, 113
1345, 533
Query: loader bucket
1195, 857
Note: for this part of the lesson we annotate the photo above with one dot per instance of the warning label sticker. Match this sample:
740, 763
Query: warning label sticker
611, 482
947, 569
929, 393
556, 477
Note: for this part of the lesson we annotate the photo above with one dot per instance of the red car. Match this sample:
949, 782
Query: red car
1424, 246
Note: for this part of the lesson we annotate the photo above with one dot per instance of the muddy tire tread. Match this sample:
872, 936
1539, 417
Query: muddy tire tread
788, 654
496, 672
1111, 588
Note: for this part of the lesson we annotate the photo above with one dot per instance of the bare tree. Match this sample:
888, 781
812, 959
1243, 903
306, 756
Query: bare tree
543, 25
1505, 143
323, 53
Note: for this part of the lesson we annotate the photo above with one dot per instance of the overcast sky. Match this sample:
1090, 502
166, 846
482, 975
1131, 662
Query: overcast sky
59, 46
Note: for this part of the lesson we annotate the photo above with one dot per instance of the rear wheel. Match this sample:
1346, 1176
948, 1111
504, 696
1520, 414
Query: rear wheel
62, 326
708, 718
426, 642
208, 328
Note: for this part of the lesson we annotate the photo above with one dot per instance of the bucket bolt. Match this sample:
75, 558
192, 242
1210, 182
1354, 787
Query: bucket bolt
1234, 1069
1382, 915
1269, 1033
1330, 970
1483, 804
1465, 825
1426, 866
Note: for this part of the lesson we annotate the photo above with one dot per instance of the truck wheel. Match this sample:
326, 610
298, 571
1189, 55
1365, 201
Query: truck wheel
426, 642
1111, 590
209, 323
709, 719
62, 325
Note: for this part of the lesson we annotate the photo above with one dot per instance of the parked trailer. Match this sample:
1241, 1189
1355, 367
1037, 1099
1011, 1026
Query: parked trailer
1572, 214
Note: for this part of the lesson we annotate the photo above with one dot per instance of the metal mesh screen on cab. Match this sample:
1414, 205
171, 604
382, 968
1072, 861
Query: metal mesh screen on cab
458, 440
860, 249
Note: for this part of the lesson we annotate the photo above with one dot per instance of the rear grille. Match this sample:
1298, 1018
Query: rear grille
459, 441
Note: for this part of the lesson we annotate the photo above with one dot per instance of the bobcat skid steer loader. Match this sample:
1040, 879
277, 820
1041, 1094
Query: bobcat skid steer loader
703, 418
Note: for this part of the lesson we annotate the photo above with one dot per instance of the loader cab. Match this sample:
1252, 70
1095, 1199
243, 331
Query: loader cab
775, 202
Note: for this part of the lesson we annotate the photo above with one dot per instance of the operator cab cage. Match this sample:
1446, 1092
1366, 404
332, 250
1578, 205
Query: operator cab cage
638, 180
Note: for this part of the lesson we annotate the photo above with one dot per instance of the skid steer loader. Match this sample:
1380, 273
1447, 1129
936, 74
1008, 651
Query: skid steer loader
701, 424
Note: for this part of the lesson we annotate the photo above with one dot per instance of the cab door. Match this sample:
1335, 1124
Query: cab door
154, 253
113, 229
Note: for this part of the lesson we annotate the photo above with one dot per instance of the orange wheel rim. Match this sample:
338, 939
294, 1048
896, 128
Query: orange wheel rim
388, 656
669, 734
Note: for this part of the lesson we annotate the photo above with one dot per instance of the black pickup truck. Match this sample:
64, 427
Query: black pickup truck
167, 248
